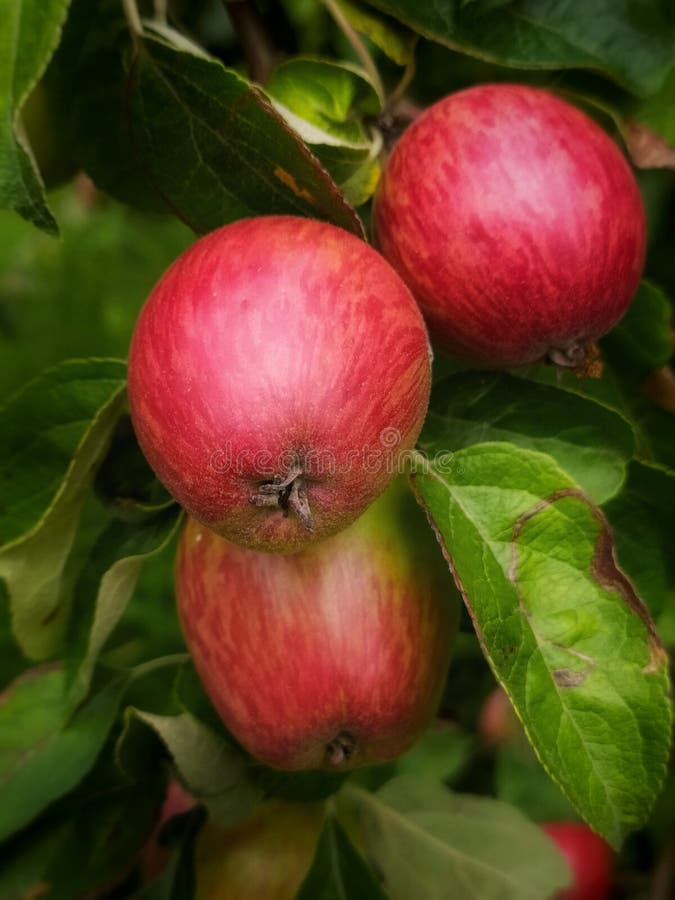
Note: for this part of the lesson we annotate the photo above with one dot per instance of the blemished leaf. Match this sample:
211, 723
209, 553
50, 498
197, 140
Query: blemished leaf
560, 624
213, 147
395, 41
52, 434
46, 748
607, 35
29, 33
211, 769
421, 836
107, 582
640, 549
642, 339
591, 442
338, 871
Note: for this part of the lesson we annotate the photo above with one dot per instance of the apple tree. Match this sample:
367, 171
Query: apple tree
357, 580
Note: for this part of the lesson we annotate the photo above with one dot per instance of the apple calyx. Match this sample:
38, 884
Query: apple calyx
288, 492
568, 357
340, 749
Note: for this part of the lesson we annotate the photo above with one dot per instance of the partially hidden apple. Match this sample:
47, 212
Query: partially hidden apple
264, 858
497, 720
331, 658
517, 224
278, 373
154, 855
589, 858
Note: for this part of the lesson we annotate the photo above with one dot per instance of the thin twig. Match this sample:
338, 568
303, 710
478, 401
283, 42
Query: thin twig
400, 89
357, 44
261, 54
133, 19
161, 11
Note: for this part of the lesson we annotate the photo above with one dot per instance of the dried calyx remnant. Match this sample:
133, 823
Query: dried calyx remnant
287, 492
340, 749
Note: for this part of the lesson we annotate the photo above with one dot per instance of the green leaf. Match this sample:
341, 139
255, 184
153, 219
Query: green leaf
338, 872
424, 840
607, 35
214, 148
325, 102
107, 582
641, 341
328, 95
520, 781
211, 769
394, 41
52, 434
442, 753
102, 826
560, 624
29, 33
45, 747
588, 440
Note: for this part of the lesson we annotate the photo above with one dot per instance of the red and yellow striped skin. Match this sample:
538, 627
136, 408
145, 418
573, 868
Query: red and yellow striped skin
271, 340
515, 221
351, 636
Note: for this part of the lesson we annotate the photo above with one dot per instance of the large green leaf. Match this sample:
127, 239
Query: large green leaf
591, 442
52, 434
45, 747
429, 843
338, 871
213, 147
560, 624
633, 44
29, 33
211, 768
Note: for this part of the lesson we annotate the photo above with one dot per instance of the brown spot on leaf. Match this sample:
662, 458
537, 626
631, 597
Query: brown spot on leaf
569, 678
604, 569
290, 182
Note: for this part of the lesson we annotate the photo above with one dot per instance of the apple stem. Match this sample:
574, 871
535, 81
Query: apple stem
288, 493
340, 749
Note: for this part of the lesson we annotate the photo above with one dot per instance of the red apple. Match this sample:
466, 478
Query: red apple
332, 658
265, 858
516, 222
277, 374
589, 857
497, 721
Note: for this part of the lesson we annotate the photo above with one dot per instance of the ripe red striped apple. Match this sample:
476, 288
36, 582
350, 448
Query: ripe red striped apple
333, 657
277, 373
516, 222
264, 858
589, 857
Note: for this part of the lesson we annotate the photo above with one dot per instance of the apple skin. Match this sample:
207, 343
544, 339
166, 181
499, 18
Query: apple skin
589, 857
497, 721
329, 659
516, 222
271, 345
265, 858
154, 856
